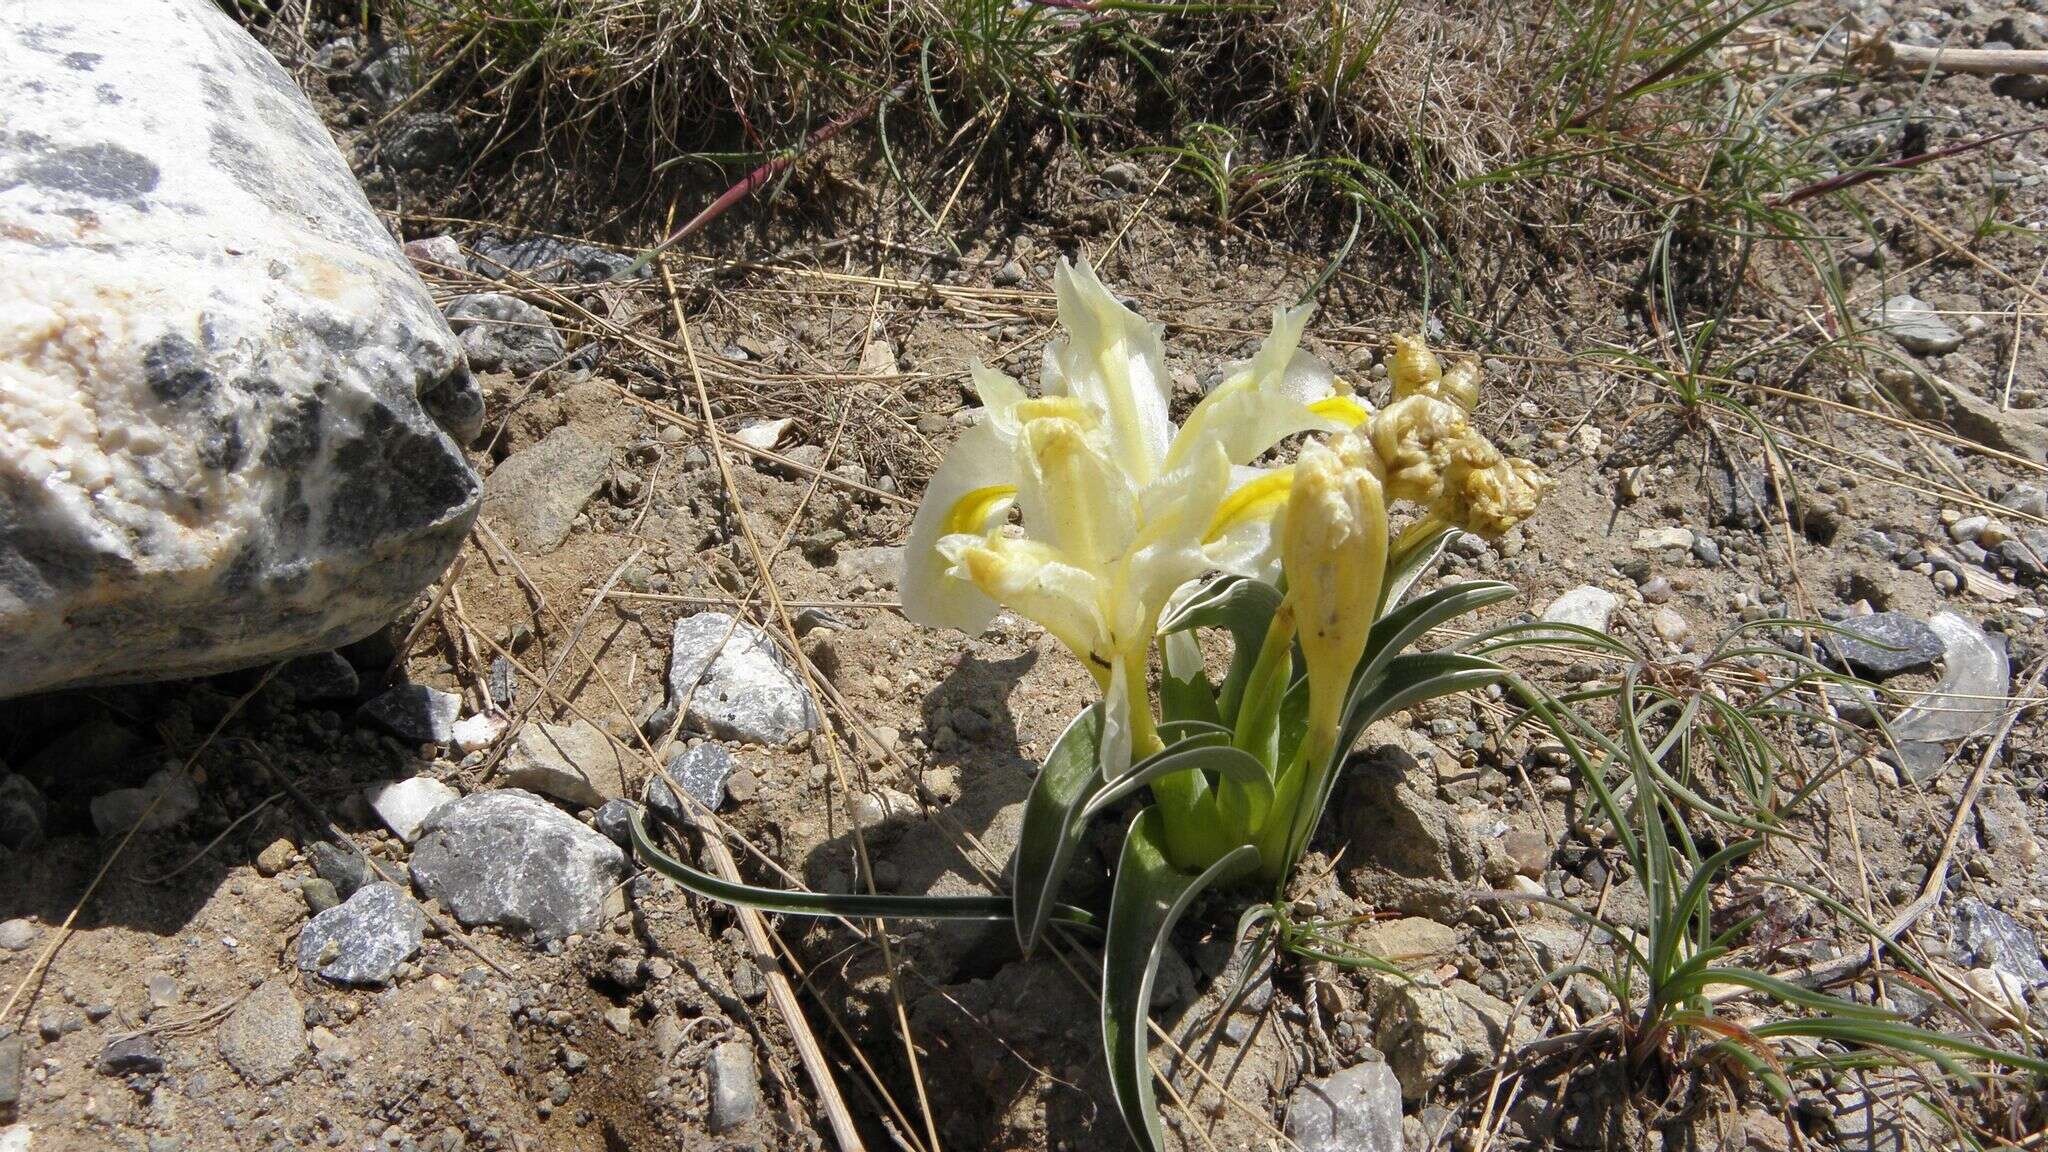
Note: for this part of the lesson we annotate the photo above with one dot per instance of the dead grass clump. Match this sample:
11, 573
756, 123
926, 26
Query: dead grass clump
1431, 121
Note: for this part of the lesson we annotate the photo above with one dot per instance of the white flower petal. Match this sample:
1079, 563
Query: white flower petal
1264, 400
1111, 358
964, 496
1175, 514
1036, 582
1072, 496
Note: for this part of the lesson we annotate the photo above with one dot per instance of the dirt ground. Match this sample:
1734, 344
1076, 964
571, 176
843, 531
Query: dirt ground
945, 1037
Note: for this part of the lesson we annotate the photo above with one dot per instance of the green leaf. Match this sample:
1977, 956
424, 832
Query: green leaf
1151, 894
851, 906
1242, 606
1395, 631
1053, 823
1205, 753
1404, 568
1408, 680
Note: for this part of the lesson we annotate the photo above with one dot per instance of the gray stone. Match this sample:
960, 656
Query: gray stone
538, 492
1987, 936
1428, 1031
365, 939
319, 895
1355, 1110
737, 683
423, 142
2026, 499
2021, 431
385, 80
1917, 327
1738, 495
226, 439
130, 1056
415, 712
614, 821
321, 676
1409, 851
23, 813
1971, 694
1884, 644
404, 805
510, 859
879, 565
344, 869
10, 1073
17, 934
1585, 606
503, 333
548, 260
1009, 275
163, 801
734, 1086
701, 772
266, 1033
575, 763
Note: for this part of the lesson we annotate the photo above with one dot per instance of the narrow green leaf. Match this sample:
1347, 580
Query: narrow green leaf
1053, 824
1404, 568
1151, 894
859, 906
1201, 753
1395, 631
1241, 606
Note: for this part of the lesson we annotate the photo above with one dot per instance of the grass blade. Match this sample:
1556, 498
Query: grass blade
1053, 822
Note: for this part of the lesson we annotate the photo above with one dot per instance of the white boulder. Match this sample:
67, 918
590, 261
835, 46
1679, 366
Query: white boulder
230, 414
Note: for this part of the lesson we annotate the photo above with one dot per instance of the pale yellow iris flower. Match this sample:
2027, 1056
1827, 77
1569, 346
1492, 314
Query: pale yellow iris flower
1116, 506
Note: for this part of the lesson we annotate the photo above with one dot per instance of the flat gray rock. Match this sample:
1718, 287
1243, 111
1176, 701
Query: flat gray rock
163, 801
575, 763
232, 424
1884, 644
735, 1086
1585, 606
537, 492
404, 805
548, 260
1988, 937
510, 859
24, 813
1915, 324
503, 333
737, 683
701, 772
321, 676
415, 712
1355, 1110
366, 938
266, 1033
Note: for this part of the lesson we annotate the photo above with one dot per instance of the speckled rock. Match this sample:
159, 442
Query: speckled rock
226, 400
548, 260
266, 1033
1884, 644
366, 938
511, 859
737, 683
1357, 1109
503, 333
